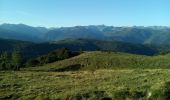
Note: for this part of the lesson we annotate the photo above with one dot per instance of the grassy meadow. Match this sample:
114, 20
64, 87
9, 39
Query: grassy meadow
91, 85
91, 76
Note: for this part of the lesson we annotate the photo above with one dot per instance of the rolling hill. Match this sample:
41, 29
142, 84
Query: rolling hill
107, 60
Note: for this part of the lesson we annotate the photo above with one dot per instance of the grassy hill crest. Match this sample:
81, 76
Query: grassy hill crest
107, 60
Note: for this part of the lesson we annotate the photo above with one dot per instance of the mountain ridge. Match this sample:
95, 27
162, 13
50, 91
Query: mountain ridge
156, 35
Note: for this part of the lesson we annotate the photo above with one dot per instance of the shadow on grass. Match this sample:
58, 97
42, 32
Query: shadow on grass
75, 67
93, 95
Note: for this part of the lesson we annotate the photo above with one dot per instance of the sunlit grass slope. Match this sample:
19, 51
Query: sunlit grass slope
87, 85
107, 60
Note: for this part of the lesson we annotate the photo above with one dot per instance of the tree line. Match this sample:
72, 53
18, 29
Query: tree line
56, 55
11, 61
16, 60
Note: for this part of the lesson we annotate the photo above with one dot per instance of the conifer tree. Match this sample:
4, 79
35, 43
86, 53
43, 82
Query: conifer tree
16, 59
4, 61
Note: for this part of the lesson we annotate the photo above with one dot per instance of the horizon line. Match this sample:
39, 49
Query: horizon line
87, 25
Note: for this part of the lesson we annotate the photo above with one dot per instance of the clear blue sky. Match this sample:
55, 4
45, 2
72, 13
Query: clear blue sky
56, 13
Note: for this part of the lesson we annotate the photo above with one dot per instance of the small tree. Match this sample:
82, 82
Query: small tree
63, 53
16, 59
81, 51
66, 54
4, 61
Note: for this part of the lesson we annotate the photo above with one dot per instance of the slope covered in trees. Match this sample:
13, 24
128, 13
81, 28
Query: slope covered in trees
56, 55
30, 50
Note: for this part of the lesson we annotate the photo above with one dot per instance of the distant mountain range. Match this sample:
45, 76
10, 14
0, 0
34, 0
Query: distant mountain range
22, 32
35, 41
140, 35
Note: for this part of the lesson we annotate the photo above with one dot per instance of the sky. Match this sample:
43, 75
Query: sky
64, 13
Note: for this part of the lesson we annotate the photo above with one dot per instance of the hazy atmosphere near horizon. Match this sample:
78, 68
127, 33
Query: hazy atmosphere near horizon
84, 50
51, 13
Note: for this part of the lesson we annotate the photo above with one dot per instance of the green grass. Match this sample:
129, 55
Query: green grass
91, 76
92, 85
107, 60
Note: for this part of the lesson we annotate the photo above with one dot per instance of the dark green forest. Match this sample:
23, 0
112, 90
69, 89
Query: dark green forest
15, 61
